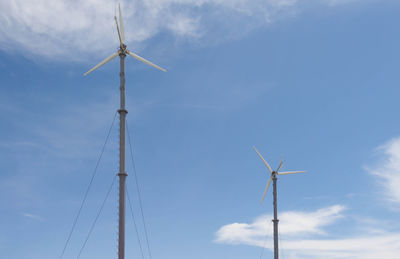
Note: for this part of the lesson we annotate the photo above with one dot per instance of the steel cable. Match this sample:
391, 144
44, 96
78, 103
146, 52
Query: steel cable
138, 192
282, 250
264, 243
88, 188
97, 217
134, 223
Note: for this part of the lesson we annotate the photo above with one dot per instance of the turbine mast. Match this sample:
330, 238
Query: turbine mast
274, 179
122, 126
122, 172
275, 220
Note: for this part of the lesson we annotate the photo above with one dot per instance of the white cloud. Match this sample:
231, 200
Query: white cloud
387, 170
301, 223
292, 223
305, 237
69, 29
33, 216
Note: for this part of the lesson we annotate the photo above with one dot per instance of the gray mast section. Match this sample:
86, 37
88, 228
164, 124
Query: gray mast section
275, 220
122, 172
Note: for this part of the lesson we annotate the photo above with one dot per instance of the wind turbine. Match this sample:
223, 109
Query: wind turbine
122, 116
274, 179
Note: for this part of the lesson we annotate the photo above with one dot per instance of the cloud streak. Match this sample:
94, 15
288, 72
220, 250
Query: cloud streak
305, 236
32, 216
292, 223
63, 29
52, 146
387, 170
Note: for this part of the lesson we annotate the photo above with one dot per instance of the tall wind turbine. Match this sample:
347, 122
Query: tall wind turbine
274, 179
122, 116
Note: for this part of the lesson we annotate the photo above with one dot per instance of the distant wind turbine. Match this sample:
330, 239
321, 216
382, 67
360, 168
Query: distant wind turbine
122, 116
274, 179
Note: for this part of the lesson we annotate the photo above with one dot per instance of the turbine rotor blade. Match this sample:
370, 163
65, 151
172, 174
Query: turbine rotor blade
101, 63
279, 167
121, 24
119, 34
265, 162
266, 189
293, 172
145, 61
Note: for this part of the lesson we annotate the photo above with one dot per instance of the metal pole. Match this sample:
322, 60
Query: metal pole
275, 220
122, 173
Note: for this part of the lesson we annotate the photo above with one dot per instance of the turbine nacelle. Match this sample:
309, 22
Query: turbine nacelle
274, 173
122, 49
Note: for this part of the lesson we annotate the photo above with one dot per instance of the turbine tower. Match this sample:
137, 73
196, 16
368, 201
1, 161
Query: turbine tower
274, 179
122, 116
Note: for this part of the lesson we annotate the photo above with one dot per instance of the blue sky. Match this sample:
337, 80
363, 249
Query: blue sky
313, 82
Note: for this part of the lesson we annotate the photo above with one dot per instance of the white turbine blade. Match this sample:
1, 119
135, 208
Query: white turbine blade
279, 167
121, 25
265, 162
119, 34
294, 172
101, 63
145, 61
266, 189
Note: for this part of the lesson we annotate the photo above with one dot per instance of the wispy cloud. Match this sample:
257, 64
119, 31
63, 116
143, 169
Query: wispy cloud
387, 170
67, 29
338, 2
306, 236
53, 145
32, 216
292, 223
